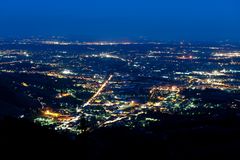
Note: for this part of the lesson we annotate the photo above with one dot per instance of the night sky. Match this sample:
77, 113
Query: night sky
122, 19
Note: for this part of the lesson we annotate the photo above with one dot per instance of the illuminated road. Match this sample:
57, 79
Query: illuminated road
13, 62
98, 92
65, 125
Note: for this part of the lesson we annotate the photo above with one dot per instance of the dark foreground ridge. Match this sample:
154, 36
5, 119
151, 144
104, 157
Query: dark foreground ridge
176, 137
219, 139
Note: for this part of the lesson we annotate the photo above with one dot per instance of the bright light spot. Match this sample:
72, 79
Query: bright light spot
67, 72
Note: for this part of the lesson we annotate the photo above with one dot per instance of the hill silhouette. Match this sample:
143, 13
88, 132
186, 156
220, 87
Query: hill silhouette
12, 102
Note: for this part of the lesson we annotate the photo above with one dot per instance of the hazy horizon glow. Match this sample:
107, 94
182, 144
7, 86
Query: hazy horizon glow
125, 19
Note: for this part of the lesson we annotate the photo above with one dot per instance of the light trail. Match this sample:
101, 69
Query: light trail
98, 92
113, 121
65, 125
13, 62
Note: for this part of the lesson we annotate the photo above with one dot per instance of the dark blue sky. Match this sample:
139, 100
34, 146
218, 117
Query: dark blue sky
122, 19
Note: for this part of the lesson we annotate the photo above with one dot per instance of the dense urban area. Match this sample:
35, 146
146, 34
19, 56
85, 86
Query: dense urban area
82, 86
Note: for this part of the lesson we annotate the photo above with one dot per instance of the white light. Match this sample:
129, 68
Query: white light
66, 71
